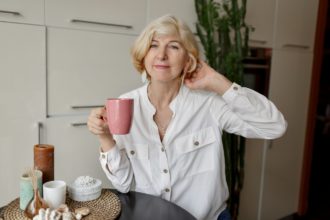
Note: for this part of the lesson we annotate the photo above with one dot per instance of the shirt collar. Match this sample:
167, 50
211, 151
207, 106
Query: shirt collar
174, 105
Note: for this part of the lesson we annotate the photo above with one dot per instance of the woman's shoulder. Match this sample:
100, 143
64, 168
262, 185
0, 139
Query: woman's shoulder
198, 94
136, 93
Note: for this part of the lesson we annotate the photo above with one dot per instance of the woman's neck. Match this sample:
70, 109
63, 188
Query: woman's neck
162, 94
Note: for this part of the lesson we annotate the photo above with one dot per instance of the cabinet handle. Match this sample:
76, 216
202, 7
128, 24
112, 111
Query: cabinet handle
79, 124
258, 41
86, 106
102, 23
11, 12
39, 125
299, 46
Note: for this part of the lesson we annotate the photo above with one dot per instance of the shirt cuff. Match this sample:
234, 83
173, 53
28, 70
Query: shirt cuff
231, 93
109, 155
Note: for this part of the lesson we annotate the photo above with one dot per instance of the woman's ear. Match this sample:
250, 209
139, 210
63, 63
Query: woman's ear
192, 63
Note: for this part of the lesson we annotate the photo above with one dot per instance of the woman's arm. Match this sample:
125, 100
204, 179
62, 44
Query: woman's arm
237, 109
114, 161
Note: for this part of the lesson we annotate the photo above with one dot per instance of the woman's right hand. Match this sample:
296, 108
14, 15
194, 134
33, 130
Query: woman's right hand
97, 124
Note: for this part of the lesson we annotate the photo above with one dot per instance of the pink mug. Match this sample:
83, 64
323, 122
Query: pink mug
119, 115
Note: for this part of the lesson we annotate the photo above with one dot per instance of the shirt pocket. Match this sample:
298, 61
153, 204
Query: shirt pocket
196, 152
139, 158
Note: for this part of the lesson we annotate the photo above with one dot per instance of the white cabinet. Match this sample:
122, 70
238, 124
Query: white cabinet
295, 24
123, 16
289, 89
23, 101
183, 9
260, 15
76, 149
273, 168
85, 68
26, 11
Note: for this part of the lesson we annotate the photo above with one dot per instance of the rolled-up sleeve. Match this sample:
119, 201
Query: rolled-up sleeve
117, 168
245, 112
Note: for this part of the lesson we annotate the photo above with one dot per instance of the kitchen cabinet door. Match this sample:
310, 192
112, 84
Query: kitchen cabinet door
23, 101
273, 168
289, 90
76, 149
260, 14
296, 24
184, 9
85, 68
22, 11
123, 16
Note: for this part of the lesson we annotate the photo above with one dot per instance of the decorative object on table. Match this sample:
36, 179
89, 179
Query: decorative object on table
62, 213
54, 193
44, 161
26, 189
85, 188
37, 201
224, 35
106, 207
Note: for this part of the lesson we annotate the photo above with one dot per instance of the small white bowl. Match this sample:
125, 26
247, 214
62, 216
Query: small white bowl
83, 194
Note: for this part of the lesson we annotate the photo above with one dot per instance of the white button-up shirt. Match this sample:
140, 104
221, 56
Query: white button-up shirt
188, 166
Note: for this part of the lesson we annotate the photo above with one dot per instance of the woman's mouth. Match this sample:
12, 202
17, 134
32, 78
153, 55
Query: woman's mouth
160, 66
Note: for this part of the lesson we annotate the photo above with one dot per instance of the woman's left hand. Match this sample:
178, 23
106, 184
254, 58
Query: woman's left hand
206, 78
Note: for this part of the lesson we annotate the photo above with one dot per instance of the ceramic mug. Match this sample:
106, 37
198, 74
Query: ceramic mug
54, 193
119, 115
26, 189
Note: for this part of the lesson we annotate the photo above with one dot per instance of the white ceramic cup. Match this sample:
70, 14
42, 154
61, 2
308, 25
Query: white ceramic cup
54, 193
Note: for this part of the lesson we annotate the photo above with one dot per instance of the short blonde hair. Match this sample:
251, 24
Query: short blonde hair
165, 25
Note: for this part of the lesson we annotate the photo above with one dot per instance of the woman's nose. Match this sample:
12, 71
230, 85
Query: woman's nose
162, 54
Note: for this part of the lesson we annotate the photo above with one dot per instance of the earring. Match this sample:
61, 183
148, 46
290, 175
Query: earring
144, 78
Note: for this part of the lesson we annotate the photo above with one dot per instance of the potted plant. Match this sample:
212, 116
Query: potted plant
224, 35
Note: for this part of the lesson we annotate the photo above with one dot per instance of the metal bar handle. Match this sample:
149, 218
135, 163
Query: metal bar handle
10, 12
102, 23
79, 124
86, 106
258, 41
300, 46
39, 127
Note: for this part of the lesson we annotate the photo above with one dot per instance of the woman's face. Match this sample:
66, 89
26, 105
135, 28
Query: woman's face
165, 59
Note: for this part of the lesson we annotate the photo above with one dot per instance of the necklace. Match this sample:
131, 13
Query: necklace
161, 124
161, 127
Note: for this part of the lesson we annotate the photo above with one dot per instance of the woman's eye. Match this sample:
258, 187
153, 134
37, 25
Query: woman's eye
153, 45
174, 47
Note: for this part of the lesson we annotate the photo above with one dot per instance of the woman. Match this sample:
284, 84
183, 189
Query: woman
174, 149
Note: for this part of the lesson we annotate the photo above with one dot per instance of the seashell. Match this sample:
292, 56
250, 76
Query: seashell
67, 216
63, 208
83, 211
78, 216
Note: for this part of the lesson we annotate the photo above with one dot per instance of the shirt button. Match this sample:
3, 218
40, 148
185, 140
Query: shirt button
235, 88
163, 149
165, 171
103, 156
132, 152
167, 190
196, 143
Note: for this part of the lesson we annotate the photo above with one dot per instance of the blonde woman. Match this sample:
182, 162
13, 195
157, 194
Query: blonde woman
174, 149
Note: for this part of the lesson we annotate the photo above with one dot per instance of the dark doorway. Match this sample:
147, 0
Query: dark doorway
318, 197
319, 186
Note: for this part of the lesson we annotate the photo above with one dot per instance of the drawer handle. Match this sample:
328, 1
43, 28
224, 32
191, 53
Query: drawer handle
86, 106
300, 46
102, 23
258, 41
39, 127
11, 12
79, 124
